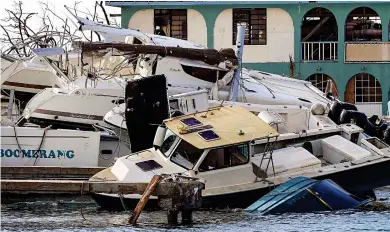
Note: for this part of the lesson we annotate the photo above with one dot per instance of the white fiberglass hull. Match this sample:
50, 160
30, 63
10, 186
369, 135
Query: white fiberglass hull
37, 147
71, 109
62, 148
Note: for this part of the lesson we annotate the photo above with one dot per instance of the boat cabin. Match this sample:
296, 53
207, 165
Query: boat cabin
214, 144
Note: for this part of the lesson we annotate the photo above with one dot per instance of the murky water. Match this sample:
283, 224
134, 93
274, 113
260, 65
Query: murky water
53, 217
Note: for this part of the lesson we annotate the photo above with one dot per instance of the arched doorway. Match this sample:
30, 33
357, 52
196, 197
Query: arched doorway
324, 82
365, 91
363, 24
319, 35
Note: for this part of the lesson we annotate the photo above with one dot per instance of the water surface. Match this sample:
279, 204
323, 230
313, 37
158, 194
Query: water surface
49, 216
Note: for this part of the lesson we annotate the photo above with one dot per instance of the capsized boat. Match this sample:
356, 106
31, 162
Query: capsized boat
241, 157
304, 195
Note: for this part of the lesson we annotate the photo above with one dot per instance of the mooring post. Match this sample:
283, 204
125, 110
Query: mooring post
172, 217
186, 216
187, 198
144, 199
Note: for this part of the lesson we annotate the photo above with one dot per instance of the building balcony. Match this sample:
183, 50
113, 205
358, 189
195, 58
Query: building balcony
319, 51
367, 52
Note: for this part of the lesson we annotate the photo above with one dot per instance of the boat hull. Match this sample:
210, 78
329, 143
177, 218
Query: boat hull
359, 181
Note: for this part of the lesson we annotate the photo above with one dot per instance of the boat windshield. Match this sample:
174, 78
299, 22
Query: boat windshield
186, 155
169, 140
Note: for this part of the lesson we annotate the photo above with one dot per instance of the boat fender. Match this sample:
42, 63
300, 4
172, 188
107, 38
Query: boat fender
159, 136
317, 109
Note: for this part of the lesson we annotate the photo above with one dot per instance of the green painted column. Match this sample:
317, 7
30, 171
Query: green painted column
297, 20
210, 14
126, 14
385, 28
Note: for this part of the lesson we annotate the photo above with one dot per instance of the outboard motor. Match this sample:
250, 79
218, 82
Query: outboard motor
336, 108
146, 108
362, 121
352, 116
386, 136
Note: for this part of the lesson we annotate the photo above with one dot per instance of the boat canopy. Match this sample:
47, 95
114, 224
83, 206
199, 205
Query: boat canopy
220, 126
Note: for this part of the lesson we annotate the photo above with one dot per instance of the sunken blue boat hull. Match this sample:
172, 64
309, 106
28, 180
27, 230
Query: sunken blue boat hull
302, 195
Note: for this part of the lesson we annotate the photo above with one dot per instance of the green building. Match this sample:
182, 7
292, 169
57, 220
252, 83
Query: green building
341, 47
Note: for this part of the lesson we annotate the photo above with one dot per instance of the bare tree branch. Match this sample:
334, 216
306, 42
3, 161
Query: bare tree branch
10, 41
104, 12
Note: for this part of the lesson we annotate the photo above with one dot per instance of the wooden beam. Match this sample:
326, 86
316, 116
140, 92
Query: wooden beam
36, 172
89, 187
144, 199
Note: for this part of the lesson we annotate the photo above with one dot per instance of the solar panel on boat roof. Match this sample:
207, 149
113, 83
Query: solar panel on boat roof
208, 135
190, 122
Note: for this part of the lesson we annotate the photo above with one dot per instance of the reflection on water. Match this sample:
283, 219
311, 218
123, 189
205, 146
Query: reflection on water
48, 216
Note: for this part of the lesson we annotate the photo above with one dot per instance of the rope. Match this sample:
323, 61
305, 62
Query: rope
123, 203
40, 145
320, 199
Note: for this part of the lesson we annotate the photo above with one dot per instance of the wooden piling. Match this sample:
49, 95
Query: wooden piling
172, 217
144, 199
175, 193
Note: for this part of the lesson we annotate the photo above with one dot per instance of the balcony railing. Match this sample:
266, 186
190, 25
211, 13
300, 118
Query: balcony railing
372, 52
319, 51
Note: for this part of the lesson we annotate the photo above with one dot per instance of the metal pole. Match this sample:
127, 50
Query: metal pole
237, 73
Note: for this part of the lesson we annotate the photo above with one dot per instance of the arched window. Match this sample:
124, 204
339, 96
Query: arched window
319, 35
363, 24
363, 88
324, 82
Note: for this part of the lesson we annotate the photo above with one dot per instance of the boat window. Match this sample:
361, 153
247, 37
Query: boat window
169, 140
225, 157
204, 74
186, 155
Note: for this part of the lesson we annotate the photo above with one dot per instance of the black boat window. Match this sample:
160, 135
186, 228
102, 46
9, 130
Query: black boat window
205, 74
186, 155
168, 143
225, 157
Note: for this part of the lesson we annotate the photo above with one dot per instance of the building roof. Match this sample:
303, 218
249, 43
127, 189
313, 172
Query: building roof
192, 3
233, 124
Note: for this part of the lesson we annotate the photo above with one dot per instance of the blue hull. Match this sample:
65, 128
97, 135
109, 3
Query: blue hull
302, 195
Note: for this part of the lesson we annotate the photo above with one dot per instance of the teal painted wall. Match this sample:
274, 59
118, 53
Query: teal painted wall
341, 72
